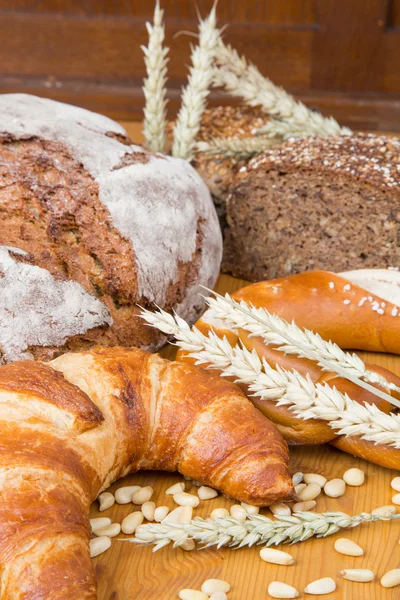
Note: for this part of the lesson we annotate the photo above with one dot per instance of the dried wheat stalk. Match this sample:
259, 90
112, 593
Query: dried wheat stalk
155, 110
195, 94
238, 148
287, 388
242, 78
255, 530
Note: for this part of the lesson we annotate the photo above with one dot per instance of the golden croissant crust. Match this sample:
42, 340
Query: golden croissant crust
71, 427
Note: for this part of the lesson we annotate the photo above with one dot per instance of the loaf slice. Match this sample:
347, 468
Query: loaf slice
329, 203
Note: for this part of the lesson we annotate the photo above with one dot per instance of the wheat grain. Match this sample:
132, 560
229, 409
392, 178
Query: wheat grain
195, 94
155, 58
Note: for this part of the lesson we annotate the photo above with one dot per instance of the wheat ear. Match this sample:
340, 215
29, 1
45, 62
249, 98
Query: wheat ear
291, 339
287, 388
255, 530
239, 148
155, 110
242, 78
195, 94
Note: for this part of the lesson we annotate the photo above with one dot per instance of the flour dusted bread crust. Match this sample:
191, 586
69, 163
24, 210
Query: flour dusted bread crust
88, 206
327, 203
69, 428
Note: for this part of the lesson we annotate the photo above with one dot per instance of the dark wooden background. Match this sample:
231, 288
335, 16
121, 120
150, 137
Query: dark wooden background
341, 56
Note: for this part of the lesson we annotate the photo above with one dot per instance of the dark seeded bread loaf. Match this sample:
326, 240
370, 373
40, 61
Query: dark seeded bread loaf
97, 226
319, 203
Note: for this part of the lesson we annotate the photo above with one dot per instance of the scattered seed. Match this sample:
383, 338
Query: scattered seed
310, 492
391, 578
297, 478
315, 478
99, 545
215, 585
148, 509
206, 493
182, 514
348, 547
384, 511
335, 488
106, 500
395, 483
188, 546
362, 575
219, 513
174, 489
354, 477
250, 509
238, 512
396, 499
143, 495
326, 585
99, 523
219, 596
279, 508
192, 595
276, 557
132, 521
123, 495
276, 589
299, 488
160, 513
184, 499
304, 506
109, 531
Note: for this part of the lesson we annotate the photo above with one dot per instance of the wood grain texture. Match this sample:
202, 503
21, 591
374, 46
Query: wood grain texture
127, 572
340, 56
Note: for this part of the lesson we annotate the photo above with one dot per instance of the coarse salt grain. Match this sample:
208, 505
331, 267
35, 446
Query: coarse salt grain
380, 311
362, 301
346, 301
395, 311
331, 285
347, 287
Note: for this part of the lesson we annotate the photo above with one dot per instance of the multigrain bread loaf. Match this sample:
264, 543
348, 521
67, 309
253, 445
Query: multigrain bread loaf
319, 203
96, 225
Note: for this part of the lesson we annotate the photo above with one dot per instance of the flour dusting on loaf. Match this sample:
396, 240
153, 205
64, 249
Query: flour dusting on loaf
131, 227
155, 203
38, 310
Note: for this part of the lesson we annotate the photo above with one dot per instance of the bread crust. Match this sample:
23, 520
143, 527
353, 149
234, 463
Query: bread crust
141, 412
315, 203
130, 227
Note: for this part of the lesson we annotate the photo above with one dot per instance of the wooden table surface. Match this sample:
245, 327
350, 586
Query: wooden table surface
127, 572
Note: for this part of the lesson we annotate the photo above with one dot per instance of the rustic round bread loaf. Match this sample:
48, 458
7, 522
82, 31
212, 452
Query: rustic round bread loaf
328, 203
91, 226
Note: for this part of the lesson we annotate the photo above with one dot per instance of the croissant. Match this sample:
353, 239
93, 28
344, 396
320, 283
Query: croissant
315, 300
74, 425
